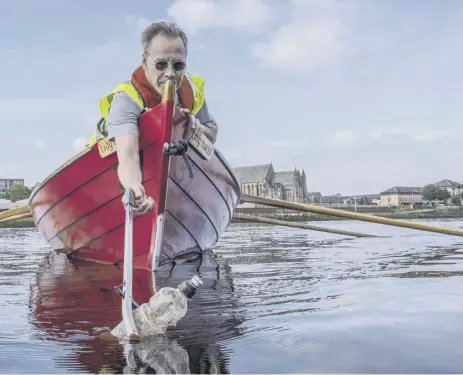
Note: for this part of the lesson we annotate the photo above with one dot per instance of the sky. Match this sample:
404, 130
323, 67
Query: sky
362, 95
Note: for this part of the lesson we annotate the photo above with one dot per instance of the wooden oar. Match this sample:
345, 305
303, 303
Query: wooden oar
16, 217
266, 220
346, 214
14, 211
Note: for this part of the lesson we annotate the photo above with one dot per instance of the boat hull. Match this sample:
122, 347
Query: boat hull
78, 209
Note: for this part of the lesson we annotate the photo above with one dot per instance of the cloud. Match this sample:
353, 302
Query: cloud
39, 109
319, 34
39, 144
303, 47
247, 16
292, 147
344, 137
79, 144
406, 135
139, 23
417, 133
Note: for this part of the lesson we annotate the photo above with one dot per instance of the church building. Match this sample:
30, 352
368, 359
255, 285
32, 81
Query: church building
263, 181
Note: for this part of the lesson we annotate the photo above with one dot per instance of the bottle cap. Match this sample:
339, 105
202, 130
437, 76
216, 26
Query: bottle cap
196, 281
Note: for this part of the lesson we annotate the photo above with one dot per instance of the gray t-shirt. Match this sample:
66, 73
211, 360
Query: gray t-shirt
123, 116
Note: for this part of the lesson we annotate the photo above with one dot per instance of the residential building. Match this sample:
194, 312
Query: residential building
454, 188
263, 181
401, 196
314, 197
364, 199
7, 183
331, 199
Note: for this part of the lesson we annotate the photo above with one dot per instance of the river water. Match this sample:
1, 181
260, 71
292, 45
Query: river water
274, 300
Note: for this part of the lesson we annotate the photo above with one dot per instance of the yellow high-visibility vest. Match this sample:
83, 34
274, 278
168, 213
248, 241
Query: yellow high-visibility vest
196, 82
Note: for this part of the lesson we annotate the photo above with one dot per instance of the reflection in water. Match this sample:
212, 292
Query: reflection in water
74, 302
291, 301
158, 355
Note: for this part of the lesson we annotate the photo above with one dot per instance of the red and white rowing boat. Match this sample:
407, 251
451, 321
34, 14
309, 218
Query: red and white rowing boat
78, 208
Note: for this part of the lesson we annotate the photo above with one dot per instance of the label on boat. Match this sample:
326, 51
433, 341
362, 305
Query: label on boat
201, 144
106, 147
198, 141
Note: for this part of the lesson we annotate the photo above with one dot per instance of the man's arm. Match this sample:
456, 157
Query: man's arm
122, 125
129, 170
209, 125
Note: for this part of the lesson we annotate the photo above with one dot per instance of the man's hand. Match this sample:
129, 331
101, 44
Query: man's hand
143, 203
209, 132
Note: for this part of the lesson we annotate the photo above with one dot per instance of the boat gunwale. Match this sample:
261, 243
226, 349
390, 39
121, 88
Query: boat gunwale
87, 150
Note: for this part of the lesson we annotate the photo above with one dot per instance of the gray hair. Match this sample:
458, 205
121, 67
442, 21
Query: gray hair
167, 29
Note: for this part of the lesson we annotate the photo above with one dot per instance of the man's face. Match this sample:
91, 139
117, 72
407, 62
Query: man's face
166, 60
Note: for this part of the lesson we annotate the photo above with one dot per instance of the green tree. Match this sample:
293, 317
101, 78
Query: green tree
19, 192
456, 200
434, 193
443, 194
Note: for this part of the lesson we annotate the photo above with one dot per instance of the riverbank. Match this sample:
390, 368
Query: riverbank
304, 217
25, 223
404, 215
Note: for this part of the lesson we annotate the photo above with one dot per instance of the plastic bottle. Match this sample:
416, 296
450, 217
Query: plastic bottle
164, 309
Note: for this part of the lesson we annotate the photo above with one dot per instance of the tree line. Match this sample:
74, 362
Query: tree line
430, 193
19, 192
434, 193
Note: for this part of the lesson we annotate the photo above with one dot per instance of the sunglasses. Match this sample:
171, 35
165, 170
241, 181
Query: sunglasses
162, 65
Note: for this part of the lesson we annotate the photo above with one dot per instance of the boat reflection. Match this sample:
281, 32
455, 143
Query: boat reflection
74, 303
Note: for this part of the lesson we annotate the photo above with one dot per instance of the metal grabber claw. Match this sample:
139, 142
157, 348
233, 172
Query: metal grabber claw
127, 300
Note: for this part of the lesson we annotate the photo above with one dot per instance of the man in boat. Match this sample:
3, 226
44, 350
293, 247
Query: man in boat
164, 55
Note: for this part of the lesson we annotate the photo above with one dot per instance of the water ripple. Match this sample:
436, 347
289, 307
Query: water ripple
275, 299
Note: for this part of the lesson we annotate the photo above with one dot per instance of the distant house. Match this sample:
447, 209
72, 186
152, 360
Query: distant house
401, 196
331, 199
314, 197
263, 181
454, 188
366, 199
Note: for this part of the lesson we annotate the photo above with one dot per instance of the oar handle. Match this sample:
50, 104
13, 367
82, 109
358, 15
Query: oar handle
14, 211
349, 215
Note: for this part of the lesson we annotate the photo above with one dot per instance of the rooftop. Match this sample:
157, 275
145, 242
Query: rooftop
252, 173
403, 190
448, 184
285, 176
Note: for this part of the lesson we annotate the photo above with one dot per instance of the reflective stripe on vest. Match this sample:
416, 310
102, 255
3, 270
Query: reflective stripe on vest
127, 87
197, 84
106, 101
